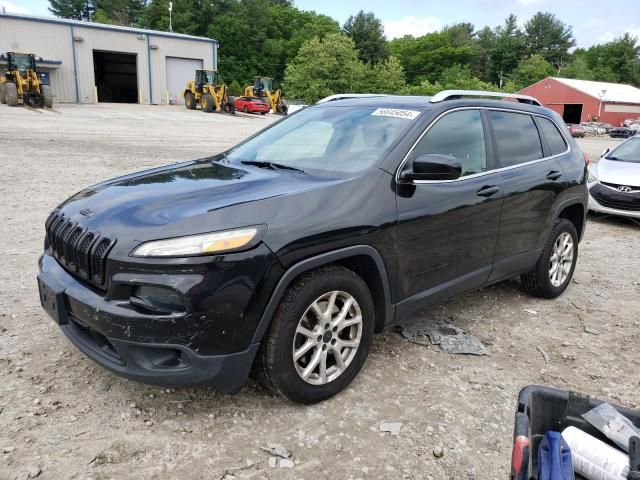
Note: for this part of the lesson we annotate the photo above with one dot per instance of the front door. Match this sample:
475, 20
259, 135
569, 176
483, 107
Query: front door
447, 229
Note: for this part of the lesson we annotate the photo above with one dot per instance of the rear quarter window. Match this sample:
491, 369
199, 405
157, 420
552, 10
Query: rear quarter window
516, 136
555, 140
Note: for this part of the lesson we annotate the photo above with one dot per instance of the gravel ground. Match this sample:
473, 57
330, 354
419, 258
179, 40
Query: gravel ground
62, 416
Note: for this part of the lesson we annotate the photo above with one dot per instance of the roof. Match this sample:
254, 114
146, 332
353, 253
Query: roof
607, 92
104, 26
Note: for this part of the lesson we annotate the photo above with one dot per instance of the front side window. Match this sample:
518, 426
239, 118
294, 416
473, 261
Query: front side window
516, 136
328, 139
458, 134
555, 140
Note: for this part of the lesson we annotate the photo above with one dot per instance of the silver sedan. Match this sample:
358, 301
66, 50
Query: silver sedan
614, 182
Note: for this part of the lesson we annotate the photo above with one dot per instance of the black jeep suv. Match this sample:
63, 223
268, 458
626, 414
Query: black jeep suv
286, 252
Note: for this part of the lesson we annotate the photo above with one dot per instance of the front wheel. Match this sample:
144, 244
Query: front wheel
320, 335
554, 270
190, 101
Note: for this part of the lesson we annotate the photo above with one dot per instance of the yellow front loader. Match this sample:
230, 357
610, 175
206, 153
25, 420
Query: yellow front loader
263, 88
21, 83
207, 92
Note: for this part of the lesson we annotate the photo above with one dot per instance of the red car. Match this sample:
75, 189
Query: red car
251, 105
576, 130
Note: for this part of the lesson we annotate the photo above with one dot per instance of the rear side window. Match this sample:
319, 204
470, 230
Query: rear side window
554, 138
459, 134
516, 137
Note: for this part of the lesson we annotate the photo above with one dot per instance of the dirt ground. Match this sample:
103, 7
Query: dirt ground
62, 416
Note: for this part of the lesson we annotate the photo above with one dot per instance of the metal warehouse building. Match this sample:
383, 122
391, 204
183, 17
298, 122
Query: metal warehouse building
119, 64
585, 100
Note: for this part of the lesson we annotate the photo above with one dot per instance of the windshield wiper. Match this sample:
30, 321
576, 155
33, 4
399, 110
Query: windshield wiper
271, 165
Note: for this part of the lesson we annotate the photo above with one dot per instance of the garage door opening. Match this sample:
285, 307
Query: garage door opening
572, 113
116, 76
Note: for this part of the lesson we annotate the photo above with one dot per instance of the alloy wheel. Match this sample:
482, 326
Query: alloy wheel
327, 337
561, 259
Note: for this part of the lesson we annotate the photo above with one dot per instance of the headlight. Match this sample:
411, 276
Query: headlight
198, 244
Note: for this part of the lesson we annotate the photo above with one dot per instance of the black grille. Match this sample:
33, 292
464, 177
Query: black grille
81, 252
620, 201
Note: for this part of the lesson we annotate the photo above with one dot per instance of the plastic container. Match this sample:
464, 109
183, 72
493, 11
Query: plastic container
541, 409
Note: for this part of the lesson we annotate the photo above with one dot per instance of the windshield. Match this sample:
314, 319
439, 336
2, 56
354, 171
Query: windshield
328, 139
22, 62
629, 151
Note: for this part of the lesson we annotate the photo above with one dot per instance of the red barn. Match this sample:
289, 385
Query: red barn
585, 101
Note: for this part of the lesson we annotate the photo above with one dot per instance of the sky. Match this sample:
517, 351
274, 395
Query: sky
593, 21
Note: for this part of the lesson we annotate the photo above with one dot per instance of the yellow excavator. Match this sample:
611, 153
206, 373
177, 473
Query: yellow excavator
208, 92
262, 88
21, 83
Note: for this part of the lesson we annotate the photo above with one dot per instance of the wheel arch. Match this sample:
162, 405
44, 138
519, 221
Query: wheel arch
365, 260
575, 211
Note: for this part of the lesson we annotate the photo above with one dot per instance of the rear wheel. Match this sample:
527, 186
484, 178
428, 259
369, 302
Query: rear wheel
11, 94
554, 270
320, 335
47, 93
206, 102
190, 101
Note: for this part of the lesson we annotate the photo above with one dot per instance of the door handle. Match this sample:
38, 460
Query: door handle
554, 175
488, 190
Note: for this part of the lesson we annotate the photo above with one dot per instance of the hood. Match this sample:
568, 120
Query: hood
182, 199
620, 173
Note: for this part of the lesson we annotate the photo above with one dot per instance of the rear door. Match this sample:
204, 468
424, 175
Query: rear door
447, 229
532, 178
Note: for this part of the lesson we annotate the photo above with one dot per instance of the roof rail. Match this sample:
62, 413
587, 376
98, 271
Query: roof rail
456, 94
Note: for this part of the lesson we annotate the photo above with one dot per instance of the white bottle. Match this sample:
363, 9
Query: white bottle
593, 459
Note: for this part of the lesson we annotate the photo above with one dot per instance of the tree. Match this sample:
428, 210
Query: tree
424, 58
324, 67
452, 78
367, 33
119, 12
484, 48
73, 9
508, 51
386, 76
529, 71
616, 61
548, 36
577, 68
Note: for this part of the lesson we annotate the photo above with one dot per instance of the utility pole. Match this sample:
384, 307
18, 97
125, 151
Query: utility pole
170, 9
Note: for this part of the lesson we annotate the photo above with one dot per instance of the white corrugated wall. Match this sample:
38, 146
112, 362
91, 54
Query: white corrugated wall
57, 41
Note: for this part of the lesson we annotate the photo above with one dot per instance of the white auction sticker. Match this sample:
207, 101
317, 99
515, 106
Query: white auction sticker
396, 113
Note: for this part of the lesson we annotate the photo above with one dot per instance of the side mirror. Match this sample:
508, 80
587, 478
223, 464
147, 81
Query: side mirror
433, 167
604, 152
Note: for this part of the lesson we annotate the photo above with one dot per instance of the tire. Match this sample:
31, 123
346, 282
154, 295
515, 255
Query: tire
11, 94
263, 113
190, 101
47, 93
3, 99
277, 366
206, 102
540, 281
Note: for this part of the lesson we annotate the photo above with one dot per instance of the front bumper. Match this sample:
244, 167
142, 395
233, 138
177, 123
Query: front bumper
198, 346
594, 206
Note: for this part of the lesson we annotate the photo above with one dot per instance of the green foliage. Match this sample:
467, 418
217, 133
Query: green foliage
386, 76
548, 36
529, 71
73, 9
119, 12
367, 33
454, 77
323, 67
235, 89
425, 58
616, 61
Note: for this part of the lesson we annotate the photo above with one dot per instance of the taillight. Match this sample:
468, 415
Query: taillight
585, 155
